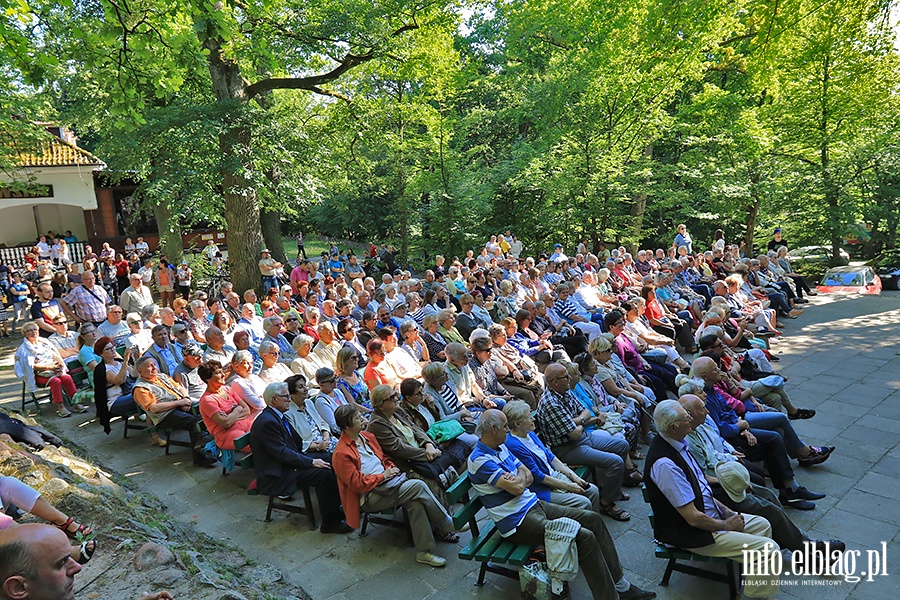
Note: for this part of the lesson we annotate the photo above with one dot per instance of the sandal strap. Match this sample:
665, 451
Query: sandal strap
65, 526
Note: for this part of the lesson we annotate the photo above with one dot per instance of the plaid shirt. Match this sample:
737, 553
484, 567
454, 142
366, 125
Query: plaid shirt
89, 305
556, 416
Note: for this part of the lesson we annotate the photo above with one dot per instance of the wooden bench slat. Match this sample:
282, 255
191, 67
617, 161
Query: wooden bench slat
469, 550
487, 549
520, 555
503, 552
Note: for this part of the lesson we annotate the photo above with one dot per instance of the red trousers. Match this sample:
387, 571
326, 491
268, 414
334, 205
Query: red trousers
56, 386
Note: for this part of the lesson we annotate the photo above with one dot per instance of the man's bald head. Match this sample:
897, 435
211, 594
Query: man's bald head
36, 562
702, 366
695, 407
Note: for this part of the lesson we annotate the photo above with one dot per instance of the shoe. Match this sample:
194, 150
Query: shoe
804, 494
84, 552
427, 558
339, 527
798, 504
62, 412
817, 455
636, 593
157, 441
812, 293
802, 413
287, 498
79, 408
801, 301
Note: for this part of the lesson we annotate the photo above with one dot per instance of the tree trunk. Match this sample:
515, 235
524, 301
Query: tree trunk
271, 231
639, 207
832, 195
241, 204
169, 231
752, 214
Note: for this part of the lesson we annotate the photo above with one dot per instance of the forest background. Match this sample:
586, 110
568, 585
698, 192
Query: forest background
434, 123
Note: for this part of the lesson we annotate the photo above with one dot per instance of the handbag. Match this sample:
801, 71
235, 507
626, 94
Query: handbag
446, 430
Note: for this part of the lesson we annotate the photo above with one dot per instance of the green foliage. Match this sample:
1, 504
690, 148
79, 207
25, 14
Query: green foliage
602, 120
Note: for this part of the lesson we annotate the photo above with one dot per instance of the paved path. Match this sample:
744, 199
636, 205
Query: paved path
842, 357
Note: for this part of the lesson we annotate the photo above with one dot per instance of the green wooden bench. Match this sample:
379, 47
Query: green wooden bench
731, 577
487, 546
246, 462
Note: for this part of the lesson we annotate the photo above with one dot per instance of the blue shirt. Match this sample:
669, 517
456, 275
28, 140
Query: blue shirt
724, 416
169, 356
540, 464
486, 467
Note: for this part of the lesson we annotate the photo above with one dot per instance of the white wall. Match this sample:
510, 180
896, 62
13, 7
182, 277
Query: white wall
71, 185
17, 226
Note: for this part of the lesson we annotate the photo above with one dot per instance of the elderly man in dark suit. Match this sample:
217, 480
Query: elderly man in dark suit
281, 466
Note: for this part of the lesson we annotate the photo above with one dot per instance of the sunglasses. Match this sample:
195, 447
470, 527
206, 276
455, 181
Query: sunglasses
291, 320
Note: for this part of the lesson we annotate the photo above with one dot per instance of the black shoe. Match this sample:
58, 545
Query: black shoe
798, 504
636, 593
801, 493
287, 498
802, 413
339, 527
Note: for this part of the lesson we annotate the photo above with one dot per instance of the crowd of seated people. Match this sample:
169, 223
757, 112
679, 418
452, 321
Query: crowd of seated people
381, 394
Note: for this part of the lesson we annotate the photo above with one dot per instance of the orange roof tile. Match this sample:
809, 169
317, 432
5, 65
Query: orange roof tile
57, 153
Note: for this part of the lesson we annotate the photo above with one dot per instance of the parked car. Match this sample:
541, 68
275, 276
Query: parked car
887, 267
854, 279
817, 254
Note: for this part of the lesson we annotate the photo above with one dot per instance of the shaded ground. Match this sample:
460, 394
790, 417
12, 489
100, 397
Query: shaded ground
841, 357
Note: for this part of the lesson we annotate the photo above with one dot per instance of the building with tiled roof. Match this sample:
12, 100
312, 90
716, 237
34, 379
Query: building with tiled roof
58, 153
51, 190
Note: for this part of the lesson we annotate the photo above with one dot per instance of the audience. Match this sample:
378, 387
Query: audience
579, 361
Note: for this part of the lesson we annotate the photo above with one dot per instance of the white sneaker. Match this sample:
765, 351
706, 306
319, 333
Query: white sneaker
427, 558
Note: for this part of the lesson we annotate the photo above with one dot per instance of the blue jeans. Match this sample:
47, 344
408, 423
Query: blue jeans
779, 423
122, 405
269, 281
611, 466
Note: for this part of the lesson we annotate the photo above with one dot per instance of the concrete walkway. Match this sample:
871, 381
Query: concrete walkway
842, 357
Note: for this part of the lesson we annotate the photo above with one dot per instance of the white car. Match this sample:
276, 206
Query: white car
817, 254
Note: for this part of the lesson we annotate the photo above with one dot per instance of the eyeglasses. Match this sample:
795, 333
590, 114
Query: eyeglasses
327, 380
291, 320
60, 322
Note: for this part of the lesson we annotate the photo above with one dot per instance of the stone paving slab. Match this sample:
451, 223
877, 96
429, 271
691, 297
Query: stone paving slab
842, 359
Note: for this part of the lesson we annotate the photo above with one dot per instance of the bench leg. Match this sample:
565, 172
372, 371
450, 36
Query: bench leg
668, 574
481, 573
269, 509
307, 500
734, 578
365, 525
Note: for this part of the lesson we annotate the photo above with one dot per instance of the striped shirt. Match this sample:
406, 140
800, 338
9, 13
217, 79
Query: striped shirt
486, 467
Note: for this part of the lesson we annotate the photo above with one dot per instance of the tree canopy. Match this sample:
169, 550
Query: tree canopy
434, 124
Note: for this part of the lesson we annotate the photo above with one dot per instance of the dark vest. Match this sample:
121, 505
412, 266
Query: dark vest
669, 526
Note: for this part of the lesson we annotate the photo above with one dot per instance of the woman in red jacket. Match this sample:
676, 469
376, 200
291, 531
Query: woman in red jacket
369, 482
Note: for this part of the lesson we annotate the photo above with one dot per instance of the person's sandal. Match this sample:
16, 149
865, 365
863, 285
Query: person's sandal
155, 440
81, 529
62, 412
451, 537
614, 512
632, 478
83, 553
637, 455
